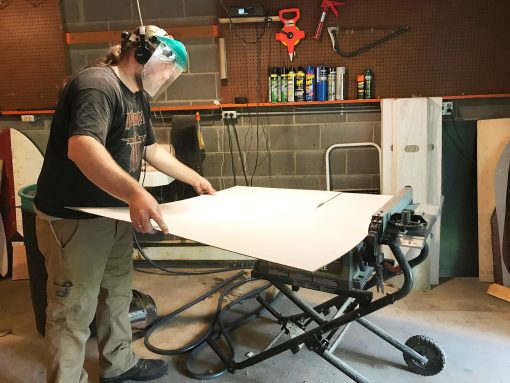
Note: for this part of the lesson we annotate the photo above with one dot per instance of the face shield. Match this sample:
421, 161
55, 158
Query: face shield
167, 62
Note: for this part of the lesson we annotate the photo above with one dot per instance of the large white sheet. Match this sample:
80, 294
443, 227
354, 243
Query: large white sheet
284, 226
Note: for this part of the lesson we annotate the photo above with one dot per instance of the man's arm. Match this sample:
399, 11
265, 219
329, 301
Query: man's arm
98, 166
166, 163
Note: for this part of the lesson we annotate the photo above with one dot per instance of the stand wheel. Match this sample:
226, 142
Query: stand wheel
426, 347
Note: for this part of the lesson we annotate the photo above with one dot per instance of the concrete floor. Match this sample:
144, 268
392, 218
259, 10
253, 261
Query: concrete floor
472, 328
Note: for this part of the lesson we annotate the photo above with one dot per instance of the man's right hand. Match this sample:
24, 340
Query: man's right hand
142, 208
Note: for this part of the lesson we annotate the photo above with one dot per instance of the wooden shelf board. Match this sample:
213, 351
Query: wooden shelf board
263, 104
114, 36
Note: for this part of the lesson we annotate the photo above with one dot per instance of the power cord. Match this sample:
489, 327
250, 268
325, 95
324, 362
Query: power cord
173, 272
239, 149
216, 329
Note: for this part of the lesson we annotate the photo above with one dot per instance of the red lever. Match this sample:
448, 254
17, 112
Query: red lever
326, 5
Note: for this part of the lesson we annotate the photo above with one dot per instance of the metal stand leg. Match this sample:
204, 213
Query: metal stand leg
391, 340
345, 368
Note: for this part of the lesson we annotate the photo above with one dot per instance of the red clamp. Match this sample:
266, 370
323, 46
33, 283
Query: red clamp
291, 34
326, 5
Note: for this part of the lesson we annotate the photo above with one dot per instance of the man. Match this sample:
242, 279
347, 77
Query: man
100, 132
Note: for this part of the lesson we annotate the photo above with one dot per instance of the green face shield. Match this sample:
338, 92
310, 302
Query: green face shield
167, 62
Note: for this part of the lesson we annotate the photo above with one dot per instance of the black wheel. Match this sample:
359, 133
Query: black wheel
426, 347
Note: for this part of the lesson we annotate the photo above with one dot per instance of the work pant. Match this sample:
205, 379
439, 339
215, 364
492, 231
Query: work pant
89, 265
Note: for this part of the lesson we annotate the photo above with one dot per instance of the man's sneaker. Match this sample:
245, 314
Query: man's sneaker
144, 369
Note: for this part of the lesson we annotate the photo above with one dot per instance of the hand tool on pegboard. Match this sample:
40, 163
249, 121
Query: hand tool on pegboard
326, 6
291, 35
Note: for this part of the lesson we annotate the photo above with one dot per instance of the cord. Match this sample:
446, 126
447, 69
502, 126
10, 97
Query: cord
239, 148
216, 329
173, 272
139, 12
231, 152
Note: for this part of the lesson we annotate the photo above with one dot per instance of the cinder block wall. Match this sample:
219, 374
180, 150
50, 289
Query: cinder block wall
292, 148
199, 84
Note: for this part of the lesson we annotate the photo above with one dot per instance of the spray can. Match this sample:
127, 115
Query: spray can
274, 84
299, 89
331, 83
269, 84
310, 83
278, 85
340, 83
284, 84
322, 83
368, 83
360, 86
291, 77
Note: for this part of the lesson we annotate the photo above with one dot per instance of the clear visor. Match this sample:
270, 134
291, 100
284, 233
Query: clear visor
164, 66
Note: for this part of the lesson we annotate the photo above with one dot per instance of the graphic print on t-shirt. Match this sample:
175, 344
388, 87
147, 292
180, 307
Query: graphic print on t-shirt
134, 122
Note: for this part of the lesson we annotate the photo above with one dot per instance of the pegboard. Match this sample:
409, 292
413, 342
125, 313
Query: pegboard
452, 47
33, 56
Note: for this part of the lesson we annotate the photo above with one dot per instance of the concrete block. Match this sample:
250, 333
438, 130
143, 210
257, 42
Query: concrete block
279, 163
200, 8
39, 138
349, 182
77, 61
364, 117
377, 133
296, 182
258, 164
310, 163
346, 133
203, 58
210, 134
320, 118
293, 137
74, 27
337, 161
155, 9
264, 120
72, 11
362, 161
212, 165
192, 86
93, 10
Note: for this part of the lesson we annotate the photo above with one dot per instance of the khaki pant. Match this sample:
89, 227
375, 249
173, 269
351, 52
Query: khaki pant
90, 270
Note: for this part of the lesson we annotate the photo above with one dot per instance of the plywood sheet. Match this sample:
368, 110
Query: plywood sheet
278, 225
492, 138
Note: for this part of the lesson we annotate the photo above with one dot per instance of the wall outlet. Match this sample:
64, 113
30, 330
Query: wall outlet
228, 114
447, 108
27, 118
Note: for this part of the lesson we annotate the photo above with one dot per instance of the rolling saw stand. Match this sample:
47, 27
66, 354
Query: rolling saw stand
349, 278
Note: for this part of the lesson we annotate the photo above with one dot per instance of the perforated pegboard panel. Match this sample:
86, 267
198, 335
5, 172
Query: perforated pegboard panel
452, 47
33, 56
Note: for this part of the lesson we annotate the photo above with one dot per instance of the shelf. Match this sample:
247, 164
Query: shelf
246, 20
197, 107
114, 36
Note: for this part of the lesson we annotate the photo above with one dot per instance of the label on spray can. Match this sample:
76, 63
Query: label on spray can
291, 77
299, 89
284, 84
322, 83
274, 85
340, 83
310, 83
360, 83
368, 83
331, 84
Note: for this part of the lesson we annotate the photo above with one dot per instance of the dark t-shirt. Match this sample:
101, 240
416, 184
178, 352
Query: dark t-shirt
93, 103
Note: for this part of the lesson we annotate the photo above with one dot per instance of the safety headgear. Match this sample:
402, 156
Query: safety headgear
166, 63
163, 58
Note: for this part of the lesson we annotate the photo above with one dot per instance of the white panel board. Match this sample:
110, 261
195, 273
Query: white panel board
411, 152
278, 225
27, 163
